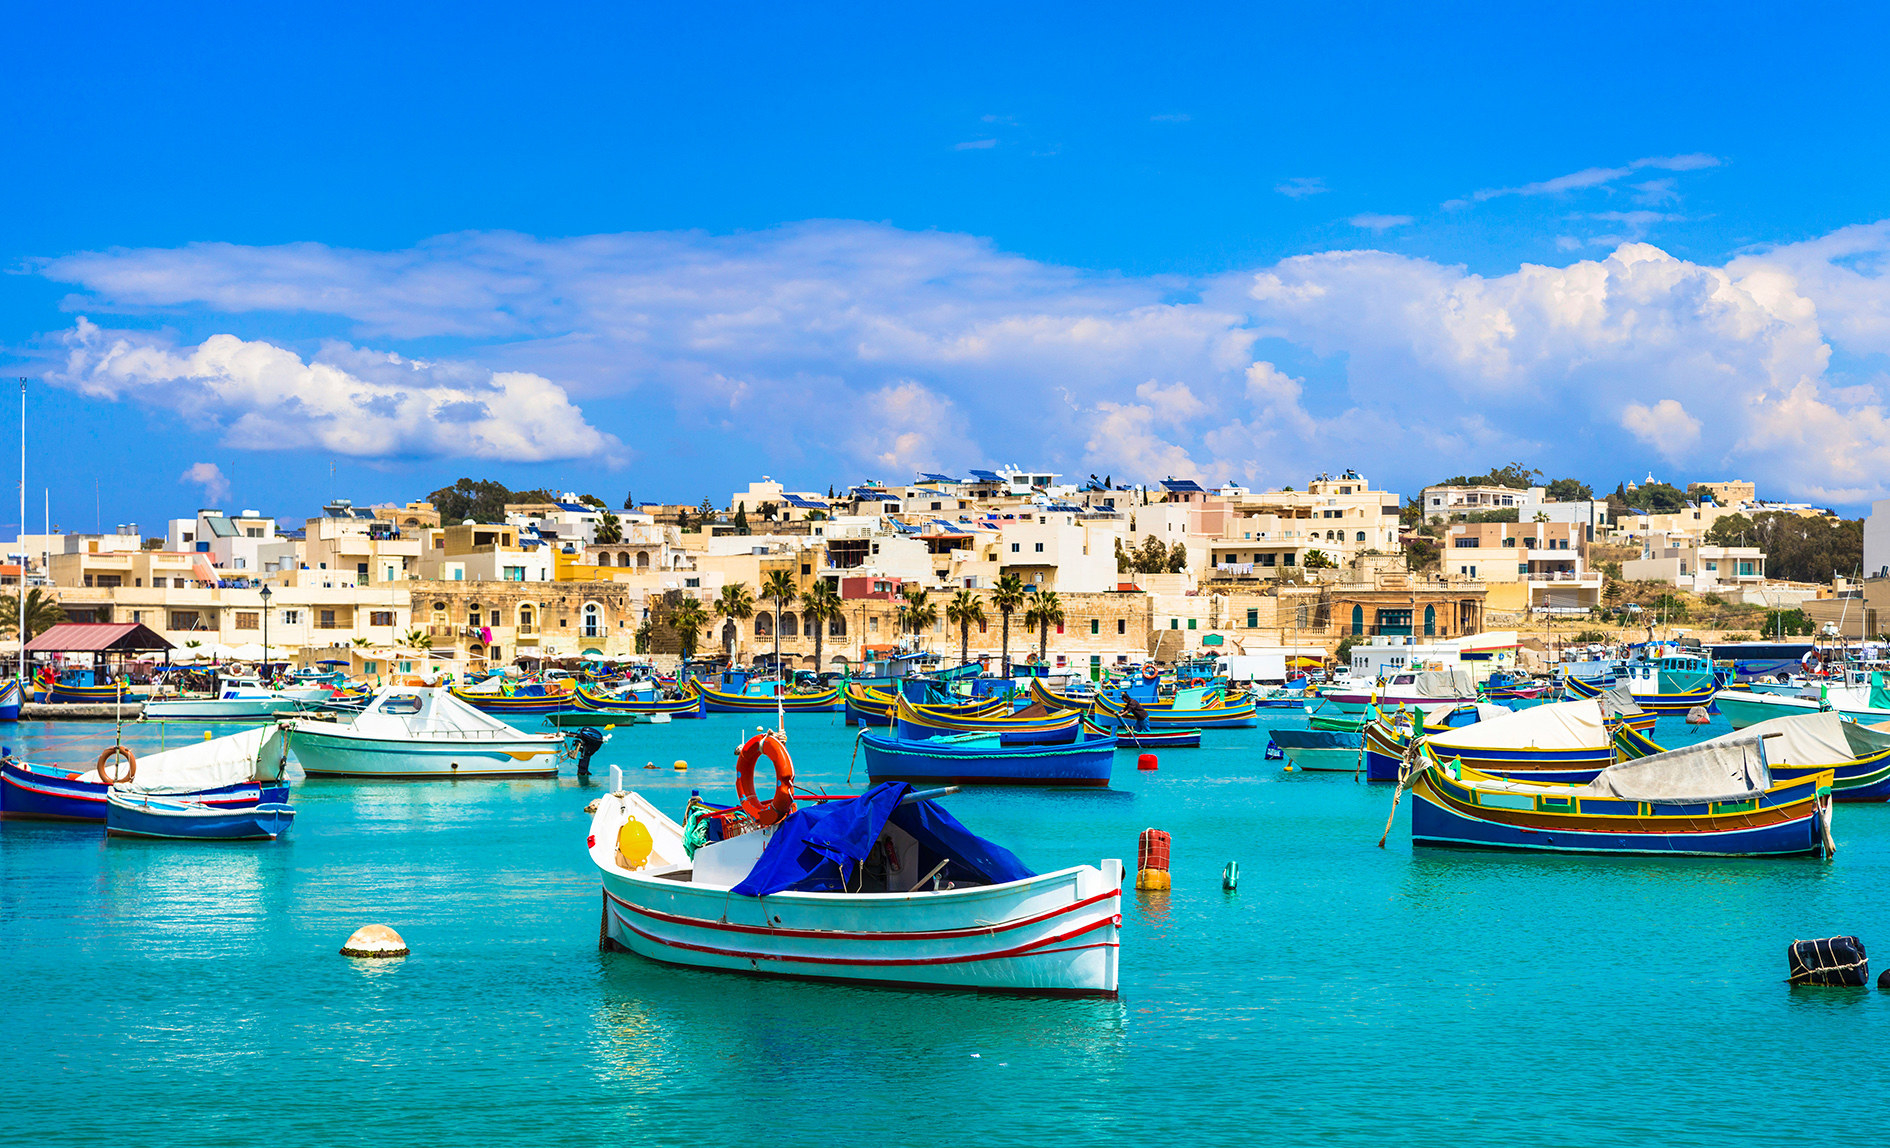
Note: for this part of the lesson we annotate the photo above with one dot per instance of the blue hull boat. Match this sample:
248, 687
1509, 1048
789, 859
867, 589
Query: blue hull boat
10, 701
1320, 749
982, 759
49, 793
181, 819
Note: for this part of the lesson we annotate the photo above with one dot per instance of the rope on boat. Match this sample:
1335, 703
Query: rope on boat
1407, 769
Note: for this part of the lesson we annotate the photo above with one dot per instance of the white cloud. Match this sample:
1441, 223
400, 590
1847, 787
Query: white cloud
888, 349
1666, 426
1300, 187
1592, 177
209, 476
1373, 222
350, 401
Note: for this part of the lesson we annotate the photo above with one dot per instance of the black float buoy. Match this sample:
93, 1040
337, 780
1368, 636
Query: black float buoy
1830, 962
586, 740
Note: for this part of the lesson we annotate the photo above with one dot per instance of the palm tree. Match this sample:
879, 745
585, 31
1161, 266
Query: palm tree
738, 605
962, 611
918, 612
819, 605
1045, 612
1008, 596
779, 585
416, 639
42, 613
358, 642
912, 595
687, 620
609, 528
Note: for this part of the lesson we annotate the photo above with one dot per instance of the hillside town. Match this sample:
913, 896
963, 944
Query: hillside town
1088, 575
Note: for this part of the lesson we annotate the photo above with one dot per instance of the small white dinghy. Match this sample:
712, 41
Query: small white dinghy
885, 888
409, 731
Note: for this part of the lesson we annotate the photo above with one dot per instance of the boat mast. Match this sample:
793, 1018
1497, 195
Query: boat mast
19, 630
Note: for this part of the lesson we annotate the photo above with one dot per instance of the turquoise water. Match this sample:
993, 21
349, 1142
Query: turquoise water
175, 994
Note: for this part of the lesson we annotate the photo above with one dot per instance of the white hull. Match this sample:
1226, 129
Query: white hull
336, 753
218, 709
1055, 933
1328, 760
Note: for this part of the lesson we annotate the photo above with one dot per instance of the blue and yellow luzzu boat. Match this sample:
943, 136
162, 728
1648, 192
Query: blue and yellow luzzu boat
1109, 725
1045, 696
1708, 800
1561, 741
1386, 732
1192, 708
871, 705
985, 759
1034, 725
689, 705
69, 691
729, 702
526, 701
1858, 756
1669, 684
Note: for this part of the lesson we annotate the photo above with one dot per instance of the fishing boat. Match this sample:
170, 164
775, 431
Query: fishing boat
1330, 742
172, 818
1033, 725
766, 698
1861, 697
1388, 734
10, 696
873, 705
1408, 688
501, 699
1717, 800
1668, 681
1196, 708
242, 769
1042, 694
421, 732
237, 699
1858, 756
886, 888
1561, 741
1129, 737
688, 703
986, 759
1502, 686
70, 689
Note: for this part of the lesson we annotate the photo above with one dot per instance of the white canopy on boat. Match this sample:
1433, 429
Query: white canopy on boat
1823, 738
1619, 701
1486, 711
254, 754
1726, 769
1452, 683
1559, 725
424, 713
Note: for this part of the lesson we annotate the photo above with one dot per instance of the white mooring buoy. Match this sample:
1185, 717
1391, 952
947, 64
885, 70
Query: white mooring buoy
374, 941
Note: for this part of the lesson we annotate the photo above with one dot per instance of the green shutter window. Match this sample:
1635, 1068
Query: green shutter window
1190, 623
1174, 623
1095, 625
1253, 619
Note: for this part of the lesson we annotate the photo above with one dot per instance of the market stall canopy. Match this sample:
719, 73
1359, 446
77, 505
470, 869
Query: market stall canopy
97, 638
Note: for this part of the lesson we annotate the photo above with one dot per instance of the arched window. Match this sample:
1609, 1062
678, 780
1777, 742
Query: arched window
764, 625
526, 616
593, 620
1358, 619
643, 560
472, 614
1430, 620
1361, 536
790, 627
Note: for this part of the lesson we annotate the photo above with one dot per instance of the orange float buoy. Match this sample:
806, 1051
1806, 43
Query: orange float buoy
1151, 860
1145, 762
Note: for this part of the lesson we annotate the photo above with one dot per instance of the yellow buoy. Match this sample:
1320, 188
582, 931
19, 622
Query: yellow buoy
206, 735
682, 765
1151, 880
374, 941
633, 844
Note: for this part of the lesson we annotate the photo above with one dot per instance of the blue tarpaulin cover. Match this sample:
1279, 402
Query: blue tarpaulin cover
817, 848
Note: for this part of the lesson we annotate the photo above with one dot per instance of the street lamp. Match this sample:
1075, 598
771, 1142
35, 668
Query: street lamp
265, 612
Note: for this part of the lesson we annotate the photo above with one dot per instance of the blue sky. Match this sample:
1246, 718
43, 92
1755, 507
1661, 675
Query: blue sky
668, 250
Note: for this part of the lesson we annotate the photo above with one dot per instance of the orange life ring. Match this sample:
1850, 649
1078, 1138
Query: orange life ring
1150, 673
1197, 681
116, 751
783, 803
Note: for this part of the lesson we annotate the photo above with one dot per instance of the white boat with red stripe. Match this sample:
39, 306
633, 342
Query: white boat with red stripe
906, 916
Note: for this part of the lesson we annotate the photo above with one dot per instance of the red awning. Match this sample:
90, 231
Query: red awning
97, 637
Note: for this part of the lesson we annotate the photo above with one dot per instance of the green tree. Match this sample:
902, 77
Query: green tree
919, 613
706, 513
1008, 596
1318, 560
415, 639
609, 528
1045, 612
687, 619
1421, 554
1655, 498
820, 604
1152, 558
682, 521
1730, 530
642, 636
778, 585
1515, 476
482, 500
1803, 549
738, 605
42, 613
629, 500
962, 611
1177, 558
741, 520
1568, 490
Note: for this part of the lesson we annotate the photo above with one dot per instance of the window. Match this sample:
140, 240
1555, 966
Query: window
872, 626
1265, 559
1122, 625
1015, 547
1174, 623
292, 617
183, 620
1253, 619
1190, 623
1095, 625
1361, 536
593, 621
692, 583
806, 569
1358, 619
325, 620
360, 570
525, 619
1289, 559
514, 574
1468, 543
1040, 548
380, 617
248, 620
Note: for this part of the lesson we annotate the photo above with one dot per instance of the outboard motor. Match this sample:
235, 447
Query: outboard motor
585, 742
